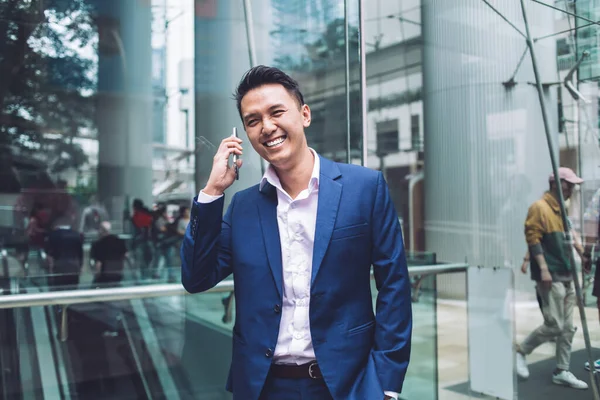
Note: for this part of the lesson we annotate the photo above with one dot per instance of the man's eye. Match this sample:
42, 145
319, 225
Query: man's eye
278, 113
252, 122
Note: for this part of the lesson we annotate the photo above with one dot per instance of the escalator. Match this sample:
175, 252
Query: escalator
159, 348
10, 377
146, 349
10, 384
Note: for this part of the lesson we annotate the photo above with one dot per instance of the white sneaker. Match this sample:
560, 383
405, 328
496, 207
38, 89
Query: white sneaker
596, 365
522, 370
566, 378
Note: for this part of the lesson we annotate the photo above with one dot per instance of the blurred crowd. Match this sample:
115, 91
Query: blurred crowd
51, 236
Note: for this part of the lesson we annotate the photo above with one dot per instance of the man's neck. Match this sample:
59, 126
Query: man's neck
555, 195
295, 179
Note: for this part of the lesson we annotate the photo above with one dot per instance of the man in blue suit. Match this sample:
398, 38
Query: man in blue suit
300, 245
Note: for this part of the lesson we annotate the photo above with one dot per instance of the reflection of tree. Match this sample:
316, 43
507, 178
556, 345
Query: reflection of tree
327, 50
46, 83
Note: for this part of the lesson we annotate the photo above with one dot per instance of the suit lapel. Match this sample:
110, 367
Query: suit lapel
330, 192
267, 210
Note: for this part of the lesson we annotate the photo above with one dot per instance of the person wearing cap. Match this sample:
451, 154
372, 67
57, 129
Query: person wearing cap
550, 269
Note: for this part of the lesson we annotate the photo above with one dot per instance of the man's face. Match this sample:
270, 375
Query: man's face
567, 189
274, 123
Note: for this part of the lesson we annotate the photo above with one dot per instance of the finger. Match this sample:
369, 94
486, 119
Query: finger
235, 146
231, 139
239, 162
226, 153
229, 146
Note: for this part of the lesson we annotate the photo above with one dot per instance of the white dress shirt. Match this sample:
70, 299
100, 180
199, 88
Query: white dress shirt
296, 219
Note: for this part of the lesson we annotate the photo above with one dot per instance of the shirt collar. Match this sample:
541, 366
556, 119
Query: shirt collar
271, 177
552, 202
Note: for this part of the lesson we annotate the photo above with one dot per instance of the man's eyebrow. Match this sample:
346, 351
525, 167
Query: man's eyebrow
254, 114
276, 106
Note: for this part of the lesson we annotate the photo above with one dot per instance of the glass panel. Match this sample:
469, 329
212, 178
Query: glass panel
103, 102
170, 347
461, 75
587, 39
150, 348
421, 380
100, 116
491, 320
307, 39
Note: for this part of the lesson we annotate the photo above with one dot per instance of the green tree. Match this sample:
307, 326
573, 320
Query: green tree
48, 80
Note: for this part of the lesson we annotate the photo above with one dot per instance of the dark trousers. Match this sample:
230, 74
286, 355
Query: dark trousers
294, 389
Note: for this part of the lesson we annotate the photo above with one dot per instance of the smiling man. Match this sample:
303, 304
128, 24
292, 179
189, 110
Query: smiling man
300, 245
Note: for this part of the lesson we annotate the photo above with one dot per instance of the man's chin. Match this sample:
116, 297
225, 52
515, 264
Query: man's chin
276, 158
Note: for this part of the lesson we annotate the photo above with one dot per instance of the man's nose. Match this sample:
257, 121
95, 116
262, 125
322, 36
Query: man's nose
268, 126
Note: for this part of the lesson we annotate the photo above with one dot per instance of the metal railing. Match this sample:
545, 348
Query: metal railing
69, 297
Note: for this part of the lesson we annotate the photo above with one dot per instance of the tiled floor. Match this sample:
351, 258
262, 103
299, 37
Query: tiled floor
452, 339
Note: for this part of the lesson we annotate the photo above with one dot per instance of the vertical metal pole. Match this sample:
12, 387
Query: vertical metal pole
186, 112
64, 324
249, 32
363, 82
563, 212
347, 53
578, 117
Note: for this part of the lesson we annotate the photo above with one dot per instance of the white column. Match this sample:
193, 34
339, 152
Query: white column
486, 158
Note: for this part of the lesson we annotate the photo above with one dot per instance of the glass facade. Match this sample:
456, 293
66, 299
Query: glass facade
112, 110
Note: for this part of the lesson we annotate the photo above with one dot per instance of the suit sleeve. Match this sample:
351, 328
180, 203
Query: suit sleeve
206, 246
393, 328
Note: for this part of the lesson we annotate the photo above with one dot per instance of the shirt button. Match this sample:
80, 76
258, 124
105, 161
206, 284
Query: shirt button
269, 353
277, 308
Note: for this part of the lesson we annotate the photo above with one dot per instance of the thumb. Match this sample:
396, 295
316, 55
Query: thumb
239, 162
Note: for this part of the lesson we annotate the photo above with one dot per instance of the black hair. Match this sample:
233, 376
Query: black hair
263, 75
138, 204
37, 206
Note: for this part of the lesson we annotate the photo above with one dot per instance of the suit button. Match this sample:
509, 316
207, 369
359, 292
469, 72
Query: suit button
269, 353
277, 308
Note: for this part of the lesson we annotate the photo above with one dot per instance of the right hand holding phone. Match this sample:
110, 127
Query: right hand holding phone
222, 175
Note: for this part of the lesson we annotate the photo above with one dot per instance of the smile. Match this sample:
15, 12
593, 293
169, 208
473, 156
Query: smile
275, 142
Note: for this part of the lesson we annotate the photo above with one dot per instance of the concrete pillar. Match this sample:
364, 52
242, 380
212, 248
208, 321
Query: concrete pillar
124, 107
486, 158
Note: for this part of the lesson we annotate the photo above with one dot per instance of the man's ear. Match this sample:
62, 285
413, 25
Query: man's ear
306, 116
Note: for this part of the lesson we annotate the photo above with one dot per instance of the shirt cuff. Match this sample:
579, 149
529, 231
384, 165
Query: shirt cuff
206, 198
393, 395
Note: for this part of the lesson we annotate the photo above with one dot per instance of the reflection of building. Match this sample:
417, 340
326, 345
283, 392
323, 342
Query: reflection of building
579, 120
588, 37
299, 31
394, 105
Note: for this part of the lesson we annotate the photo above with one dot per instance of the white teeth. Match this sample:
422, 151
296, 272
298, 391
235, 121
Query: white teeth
275, 142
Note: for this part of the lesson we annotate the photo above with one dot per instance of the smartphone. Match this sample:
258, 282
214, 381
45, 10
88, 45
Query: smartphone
235, 157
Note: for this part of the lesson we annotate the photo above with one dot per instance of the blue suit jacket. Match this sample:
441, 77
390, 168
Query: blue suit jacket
360, 354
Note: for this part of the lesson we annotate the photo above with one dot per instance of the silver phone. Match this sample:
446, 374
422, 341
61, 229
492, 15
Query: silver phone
235, 157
